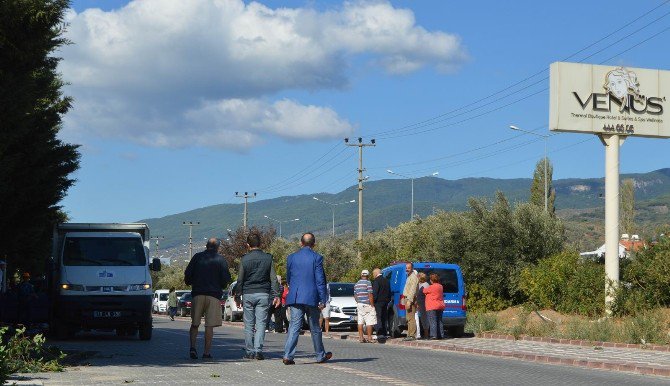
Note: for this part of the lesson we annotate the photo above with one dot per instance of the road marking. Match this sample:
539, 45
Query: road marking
368, 375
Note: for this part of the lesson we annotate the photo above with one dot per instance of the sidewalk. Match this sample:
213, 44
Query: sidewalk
636, 360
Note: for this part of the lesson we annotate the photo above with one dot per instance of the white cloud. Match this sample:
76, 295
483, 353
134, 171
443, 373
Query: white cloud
159, 72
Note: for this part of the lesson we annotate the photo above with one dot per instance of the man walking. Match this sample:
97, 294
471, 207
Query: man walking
207, 273
365, 310
381, 293
258, 286
409, 298
307, 295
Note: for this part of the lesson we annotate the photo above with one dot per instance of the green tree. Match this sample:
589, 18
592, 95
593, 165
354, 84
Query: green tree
35, 166
627, 203
234, 246
537, 190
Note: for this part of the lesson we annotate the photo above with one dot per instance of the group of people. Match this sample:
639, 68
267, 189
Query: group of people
422, 298
258, 289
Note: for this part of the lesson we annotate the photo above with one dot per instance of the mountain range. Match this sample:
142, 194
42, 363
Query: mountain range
387, 203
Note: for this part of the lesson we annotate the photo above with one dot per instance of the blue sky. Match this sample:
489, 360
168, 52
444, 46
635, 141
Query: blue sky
180, 104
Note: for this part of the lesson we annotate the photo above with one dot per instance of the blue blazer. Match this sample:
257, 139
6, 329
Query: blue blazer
306, 278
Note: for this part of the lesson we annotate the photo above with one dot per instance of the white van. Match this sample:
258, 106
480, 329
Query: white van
160, 301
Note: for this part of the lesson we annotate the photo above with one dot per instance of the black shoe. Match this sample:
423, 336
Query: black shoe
288, 361
249, 355
193, 354
259, 356
327, 357
206, 356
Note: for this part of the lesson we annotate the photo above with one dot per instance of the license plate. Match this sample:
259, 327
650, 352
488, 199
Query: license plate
106, 314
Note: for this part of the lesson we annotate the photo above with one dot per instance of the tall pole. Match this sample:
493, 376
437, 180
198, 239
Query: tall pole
280, 222
612, 144
546, 207
246, 197
157, 238
360, 145
332, 207
190, 225
412, 210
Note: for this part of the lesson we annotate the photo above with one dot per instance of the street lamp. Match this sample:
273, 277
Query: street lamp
332, 207
280, 222
545, 136
411, 178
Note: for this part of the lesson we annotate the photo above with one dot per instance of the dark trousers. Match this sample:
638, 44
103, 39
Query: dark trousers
280, 317
424, 326
436, 324
382, 319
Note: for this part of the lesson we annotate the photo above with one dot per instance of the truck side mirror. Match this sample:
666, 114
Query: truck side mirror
155, 264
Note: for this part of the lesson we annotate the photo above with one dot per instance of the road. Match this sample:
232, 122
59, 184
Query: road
108, 359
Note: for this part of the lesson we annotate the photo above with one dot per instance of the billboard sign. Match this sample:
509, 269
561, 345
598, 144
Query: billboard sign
588, 98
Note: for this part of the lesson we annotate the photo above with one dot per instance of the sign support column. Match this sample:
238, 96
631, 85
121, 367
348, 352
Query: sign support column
612, 144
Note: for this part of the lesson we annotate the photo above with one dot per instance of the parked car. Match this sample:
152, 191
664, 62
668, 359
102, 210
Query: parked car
342, 305
181, 293
160, 301
231, 311
184, 304
453, 285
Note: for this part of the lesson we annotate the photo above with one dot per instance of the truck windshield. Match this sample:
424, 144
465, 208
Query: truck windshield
448, 278
108, 251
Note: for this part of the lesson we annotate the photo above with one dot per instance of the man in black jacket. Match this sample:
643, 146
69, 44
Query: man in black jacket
381, 293
258, 286
207, 273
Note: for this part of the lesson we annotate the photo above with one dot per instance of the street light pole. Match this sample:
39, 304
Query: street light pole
360, 146
280, 222
190, 225
412, 180
546, 182
246, 197
332, 207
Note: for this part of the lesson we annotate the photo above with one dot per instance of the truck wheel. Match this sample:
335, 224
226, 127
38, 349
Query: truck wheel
456, 331
145, 331
395, 326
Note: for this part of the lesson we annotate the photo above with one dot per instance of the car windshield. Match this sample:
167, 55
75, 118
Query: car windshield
186, 296
448, 278
341, 289
163, 297
107, 251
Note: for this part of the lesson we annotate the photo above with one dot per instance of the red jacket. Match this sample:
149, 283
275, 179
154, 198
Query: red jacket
283, 295
434, 297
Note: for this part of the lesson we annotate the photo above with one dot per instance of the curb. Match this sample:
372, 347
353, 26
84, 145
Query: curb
575, 342
631, 367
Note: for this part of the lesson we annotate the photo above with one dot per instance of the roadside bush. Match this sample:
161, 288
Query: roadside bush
481, 322
645, 281
596, 330
645, 328
481, 300
23, 354
565, 283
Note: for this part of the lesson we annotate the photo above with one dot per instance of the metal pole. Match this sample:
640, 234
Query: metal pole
412, 210
280, 229
612, 144
360, 197
244, 221
333, 208
546, 207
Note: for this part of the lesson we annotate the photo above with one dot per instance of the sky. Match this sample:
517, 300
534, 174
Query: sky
180, 104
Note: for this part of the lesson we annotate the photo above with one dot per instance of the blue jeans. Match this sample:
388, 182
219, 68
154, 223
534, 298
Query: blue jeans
436, 324
255, 314
297, 312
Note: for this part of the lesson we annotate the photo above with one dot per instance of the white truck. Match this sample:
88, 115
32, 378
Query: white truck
100, 279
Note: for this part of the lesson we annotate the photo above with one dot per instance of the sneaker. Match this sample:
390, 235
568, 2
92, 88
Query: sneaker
326, 357
288, 361
259, 356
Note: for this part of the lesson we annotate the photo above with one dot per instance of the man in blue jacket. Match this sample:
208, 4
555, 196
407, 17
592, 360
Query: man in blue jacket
307, 294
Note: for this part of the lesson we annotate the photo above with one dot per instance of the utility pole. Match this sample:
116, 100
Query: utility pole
190, 225
246, 197
157, 238
360, 146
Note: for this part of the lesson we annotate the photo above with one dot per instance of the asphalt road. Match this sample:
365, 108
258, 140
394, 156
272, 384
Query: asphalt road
108, 359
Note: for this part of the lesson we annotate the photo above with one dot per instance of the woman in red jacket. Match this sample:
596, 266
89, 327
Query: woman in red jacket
434, 306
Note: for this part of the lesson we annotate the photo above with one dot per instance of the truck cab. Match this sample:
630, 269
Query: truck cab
101, 279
